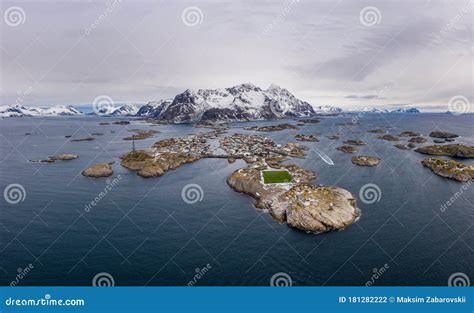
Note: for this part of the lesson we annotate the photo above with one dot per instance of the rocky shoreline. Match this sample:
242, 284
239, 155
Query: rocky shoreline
450, 169
310, 208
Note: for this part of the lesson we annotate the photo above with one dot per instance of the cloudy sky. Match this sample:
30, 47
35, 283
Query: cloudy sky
347, 53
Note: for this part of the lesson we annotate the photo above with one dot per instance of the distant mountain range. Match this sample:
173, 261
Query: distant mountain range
399, 110
20, 110
243, 102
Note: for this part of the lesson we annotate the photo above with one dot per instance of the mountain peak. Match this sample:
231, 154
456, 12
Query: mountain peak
274, 87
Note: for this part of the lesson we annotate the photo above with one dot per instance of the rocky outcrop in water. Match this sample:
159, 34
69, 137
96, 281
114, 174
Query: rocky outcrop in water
377, 131
409, 133
83, 139
450, 169
58, 157
63, 157
355, 142
140, 134
148, 165
389, 137
272, 128
347, 149
363, 160
98, 170
417, 139
301, 137
402, 146
453, 150
441, 134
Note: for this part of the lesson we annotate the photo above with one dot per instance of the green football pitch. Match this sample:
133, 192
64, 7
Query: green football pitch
272, 177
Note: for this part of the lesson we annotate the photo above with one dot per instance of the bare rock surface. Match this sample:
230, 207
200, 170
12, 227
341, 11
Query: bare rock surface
98, 170
363, 160
402, 146
453, 150
347, 149
450, 169
63, 157
355, 142
442, 134
389, 137
417, 139
300, 204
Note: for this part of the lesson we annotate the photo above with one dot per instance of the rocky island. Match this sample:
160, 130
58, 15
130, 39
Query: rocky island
98, 170
58, 157
441, 134
347, 149
140, 134
453, 150
450, 169
389, 137
298, 203
363, 160
417, 139
301, 137
355, 142
271, 128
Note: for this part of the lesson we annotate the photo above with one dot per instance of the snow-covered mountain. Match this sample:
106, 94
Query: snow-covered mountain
405, 110
377, 110
239, 103
126, 110
327, 109
20, 110
153, 108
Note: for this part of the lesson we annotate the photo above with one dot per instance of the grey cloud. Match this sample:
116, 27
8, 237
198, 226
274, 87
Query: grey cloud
319, 50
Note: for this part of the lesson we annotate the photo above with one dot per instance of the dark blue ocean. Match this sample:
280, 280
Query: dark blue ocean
143, 233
